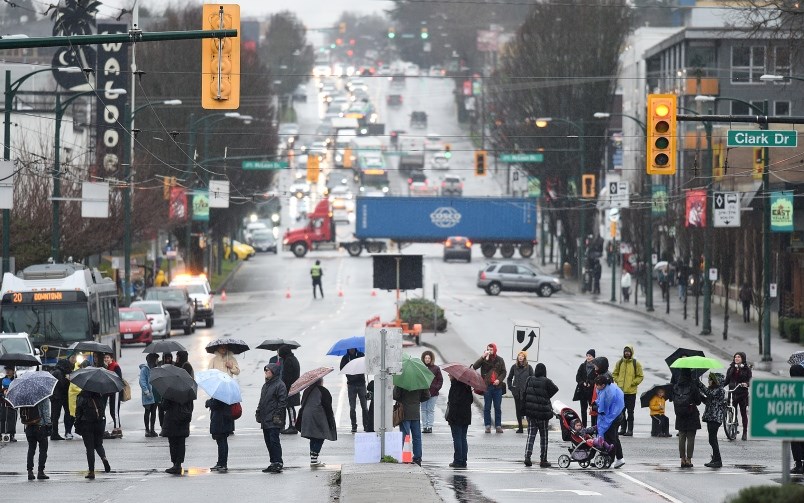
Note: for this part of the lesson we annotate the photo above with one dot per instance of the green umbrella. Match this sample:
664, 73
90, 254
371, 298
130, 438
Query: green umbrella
696, 362
415, 375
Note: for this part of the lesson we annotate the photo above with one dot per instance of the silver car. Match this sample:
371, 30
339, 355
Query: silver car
157, 314
498, 277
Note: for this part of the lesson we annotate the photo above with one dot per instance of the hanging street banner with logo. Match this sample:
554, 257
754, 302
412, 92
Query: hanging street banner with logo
696, 209
659, 200
782, 211
113, 73
178, 205
201, 206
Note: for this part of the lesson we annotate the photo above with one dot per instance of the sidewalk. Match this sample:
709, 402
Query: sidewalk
741, 336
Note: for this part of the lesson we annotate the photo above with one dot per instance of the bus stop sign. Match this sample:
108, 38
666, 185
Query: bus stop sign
777, 409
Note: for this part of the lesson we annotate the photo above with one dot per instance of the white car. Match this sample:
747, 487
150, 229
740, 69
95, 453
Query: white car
19, 343
439, 161
157, 314
322, 71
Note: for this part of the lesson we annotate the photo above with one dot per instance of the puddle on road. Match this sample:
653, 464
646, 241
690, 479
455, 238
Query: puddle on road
465, 491
752, 468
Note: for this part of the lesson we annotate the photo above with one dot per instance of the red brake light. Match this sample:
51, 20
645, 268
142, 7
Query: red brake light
410, 180
483, 275
448, 243
443, 184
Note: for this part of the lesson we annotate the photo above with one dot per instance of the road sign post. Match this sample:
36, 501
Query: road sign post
777, 412
526, 338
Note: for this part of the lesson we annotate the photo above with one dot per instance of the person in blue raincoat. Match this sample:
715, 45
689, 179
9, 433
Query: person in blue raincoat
150, 398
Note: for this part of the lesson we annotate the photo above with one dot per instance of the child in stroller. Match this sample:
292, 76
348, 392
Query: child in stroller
586, 448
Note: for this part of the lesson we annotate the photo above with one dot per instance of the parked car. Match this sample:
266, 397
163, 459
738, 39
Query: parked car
503, 277
458, 247
135, 327
201, 293
19, 343
157, 315
178, 303
451, 185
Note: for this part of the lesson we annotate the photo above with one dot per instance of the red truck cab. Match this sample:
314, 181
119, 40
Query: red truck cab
320, 230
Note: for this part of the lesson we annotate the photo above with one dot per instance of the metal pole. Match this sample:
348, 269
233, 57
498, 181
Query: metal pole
54, 238
582, 216
383, 387
706, 329
128, 118
649, 247
613, 272
435, 309
766, 248
785, 462
9, 98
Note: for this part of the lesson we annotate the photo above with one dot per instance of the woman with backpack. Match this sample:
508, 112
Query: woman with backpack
90, 423
686, 398
177, 429
221, 425
36, 421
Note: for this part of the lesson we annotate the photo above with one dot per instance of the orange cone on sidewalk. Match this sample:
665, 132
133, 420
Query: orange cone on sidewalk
223, 295
407, 450
340, 293
374, 293
287, 293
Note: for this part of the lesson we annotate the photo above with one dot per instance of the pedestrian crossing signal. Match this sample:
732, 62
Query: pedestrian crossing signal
312, 168
758, 163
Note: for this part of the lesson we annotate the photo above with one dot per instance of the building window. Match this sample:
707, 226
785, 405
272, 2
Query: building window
781, 108
781, 60
740, 108
747, 64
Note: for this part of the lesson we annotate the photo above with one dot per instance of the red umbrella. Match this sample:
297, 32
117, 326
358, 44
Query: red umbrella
466, 374
307, 379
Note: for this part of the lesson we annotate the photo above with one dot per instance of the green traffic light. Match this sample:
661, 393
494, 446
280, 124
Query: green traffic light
424, 35
332, 46
391, 35
447, 154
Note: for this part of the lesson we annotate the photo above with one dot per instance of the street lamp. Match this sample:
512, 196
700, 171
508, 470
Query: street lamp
11, 90
779, 78
543, 122
60, 109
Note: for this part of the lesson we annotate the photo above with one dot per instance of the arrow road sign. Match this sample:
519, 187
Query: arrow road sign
526, 338
777, 409
727, 209
618, 194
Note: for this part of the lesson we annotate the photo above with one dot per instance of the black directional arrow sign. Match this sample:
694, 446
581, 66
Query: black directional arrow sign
526, 338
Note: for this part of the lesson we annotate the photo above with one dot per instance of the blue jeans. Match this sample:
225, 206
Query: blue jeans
316, 444
459, 443
492, 394
428, 412
271, 436
413, 427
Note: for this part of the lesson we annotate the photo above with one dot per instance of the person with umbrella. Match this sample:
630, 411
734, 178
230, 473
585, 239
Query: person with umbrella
459, 417
738, 375
31, 394
221, 425
115, 400
686, 398
411, 421
182, 362
177, 428
715, 411
270, 414
660, 423
225, 361
90, 423
492, 368
8, 414
37, 433
585, 384
356, 386
73, 391
317, 420
150, 399
59, 399
539, 389
289, 372
428, 407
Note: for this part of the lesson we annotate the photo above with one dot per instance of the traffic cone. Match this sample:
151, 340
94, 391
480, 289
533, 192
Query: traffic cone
287, 293
340, 293
223, 295
374, 293
407, 450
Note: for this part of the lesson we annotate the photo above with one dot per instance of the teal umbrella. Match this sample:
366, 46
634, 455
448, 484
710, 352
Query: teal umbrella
415, 374
696, 362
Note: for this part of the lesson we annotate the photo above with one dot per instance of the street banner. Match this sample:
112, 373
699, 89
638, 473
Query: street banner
178, 205
658, 200
113, 73
696, 209
782, 211
201, 206
534, 186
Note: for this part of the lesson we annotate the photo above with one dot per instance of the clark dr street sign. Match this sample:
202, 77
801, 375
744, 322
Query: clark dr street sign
762, 138
777, 408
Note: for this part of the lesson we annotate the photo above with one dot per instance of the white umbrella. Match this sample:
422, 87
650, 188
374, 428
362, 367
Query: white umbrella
660, 265
356, 366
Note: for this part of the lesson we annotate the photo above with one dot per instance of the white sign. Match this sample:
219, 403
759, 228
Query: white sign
727, 209
773, 290
218, 193
712, 274
526, 338
618, 194
6, 185
367, 448
95, 200
653, 258
393, 350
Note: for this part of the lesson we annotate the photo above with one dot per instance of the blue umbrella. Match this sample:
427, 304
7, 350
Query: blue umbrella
343, 345
219, 385
31, 388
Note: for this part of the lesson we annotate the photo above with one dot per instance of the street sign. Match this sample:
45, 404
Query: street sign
618, 195
777, 408
526, 338
264, 164
762, 138
524, 157
727, 209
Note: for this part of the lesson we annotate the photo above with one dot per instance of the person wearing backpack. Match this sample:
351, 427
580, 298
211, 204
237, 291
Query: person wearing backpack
90, 423
58, 400
628, 376
177, 429
36, 420
686, 398
221, 425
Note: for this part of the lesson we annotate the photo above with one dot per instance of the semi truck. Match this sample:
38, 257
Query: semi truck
507, 224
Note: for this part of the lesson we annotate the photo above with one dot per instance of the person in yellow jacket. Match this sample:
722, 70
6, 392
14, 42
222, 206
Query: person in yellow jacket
72, 395
628, 376
161, 279
660, 424
225, 361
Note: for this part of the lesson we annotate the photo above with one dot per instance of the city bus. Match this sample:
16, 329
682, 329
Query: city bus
58, 305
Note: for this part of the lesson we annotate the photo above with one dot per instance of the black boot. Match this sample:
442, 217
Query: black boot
174, 470
31, 475
798, 469
41, 475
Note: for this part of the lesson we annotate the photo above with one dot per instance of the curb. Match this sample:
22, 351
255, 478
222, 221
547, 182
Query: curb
228, 278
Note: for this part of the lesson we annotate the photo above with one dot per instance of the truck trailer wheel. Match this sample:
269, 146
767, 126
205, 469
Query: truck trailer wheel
374, 247
488, 250
526, 250
299, 249
354, 249
507, 250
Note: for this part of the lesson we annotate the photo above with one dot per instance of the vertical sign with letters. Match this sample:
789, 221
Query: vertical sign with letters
112, 73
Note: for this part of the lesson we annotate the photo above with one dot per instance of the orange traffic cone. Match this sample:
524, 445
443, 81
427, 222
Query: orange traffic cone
407, 450
374, 293
287, 293
340, 293
223, 295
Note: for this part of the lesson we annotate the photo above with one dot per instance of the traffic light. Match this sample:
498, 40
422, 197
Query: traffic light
347, 157
480, 163
424, 33
312, 168
220, 63
588, 186
661, 134
391, 32
447, 151
758, 163
342, 28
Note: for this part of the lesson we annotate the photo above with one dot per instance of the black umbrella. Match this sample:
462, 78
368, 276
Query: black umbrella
174, 383
236, 346
275, 344
19, 360
644, 398
97, 380
680, 353
163, 347
90, 347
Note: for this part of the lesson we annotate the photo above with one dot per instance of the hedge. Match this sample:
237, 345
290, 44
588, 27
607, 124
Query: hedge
421, 311
789, 493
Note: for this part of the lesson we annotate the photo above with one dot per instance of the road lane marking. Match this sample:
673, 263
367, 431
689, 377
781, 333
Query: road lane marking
577, 492
649, 488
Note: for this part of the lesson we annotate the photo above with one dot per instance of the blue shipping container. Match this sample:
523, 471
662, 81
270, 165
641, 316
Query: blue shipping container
422, 219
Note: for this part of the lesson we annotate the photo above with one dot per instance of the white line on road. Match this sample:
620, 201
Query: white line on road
129, 487
649, 488
578, 492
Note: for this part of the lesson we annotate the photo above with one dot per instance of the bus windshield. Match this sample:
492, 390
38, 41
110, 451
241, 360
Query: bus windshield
52, 324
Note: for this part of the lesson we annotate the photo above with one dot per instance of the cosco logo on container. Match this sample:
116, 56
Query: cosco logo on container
445, 217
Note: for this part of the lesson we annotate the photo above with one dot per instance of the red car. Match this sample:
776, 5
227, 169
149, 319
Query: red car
135, 327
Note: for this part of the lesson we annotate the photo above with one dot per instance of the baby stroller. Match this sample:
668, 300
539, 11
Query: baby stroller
584, 451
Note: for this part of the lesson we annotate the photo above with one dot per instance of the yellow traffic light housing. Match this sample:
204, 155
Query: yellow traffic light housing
480, 163
312, 168
588, 186
347, 157
661, 149
220, 59
758, 163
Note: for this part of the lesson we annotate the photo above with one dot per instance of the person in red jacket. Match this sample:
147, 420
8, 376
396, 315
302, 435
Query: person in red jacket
114, 401
492, 369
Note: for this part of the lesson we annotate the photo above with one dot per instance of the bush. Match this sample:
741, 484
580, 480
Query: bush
795, 330
421, 311
786, 326
790, 493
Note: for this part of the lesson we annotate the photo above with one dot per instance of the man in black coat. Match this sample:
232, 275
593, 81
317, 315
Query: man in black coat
290, 373
356, 385
59, 401
270, 414
538, 392
459, 417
